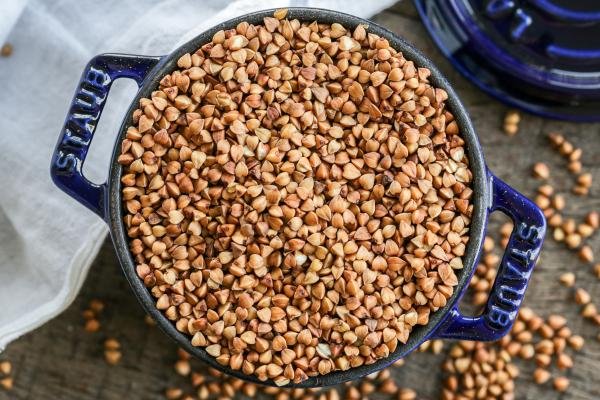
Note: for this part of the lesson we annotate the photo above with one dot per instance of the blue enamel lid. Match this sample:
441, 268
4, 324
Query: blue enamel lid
542, 56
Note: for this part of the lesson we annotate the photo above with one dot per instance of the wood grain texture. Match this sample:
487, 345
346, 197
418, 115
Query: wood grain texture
62, 362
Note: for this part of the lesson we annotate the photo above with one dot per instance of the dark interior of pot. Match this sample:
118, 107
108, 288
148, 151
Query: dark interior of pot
474, 153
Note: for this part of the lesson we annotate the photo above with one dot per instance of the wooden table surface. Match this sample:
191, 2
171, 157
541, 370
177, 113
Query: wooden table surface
62, 362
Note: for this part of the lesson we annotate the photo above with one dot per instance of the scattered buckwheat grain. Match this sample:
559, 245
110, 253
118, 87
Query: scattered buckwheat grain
567, 279
511, 122
112, 351
6, 50
7, 383
541, 170
5, 367
561, 383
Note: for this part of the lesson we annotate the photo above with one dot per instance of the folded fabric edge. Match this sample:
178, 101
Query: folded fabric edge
77, 269
11, 12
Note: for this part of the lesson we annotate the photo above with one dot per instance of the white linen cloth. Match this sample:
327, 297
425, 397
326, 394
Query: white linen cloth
47, 239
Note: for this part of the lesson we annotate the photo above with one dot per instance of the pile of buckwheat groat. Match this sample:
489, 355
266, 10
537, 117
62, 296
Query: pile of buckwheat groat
297, 197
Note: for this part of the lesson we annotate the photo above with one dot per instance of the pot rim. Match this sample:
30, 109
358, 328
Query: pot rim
481, 196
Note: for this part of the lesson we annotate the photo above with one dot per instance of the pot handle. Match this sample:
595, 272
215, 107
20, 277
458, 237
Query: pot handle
514, 272
82, 120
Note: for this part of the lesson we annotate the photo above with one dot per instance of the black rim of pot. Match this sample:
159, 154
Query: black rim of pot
476, 161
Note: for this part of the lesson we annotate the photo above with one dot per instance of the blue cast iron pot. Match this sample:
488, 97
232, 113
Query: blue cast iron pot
539, 55
490, 194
